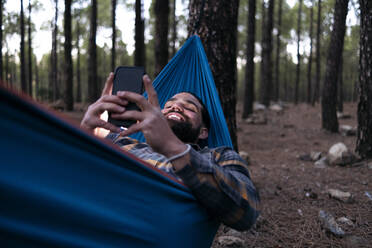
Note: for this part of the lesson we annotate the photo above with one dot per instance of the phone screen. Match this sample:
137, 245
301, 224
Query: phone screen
127, 79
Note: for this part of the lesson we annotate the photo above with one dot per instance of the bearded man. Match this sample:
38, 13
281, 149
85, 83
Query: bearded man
218, 177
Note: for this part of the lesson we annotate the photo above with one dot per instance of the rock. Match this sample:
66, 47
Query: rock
58, 105
341, 115
256, 119
230, 241
340, 195
347, 130
368, 195
276, 108
258, 107
369, 165
346, 221
305, 157
245, 156
321, 163
329, 224
339, 154
315, 156
299, 211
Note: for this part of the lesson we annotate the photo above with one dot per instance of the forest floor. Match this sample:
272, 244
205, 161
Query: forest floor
293, 191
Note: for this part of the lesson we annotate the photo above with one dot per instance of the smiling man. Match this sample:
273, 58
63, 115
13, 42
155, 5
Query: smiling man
218, 177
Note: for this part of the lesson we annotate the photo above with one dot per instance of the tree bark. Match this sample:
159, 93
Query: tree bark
266, 64
113, 47
92, 63
249, 67
78, 78
216, 24
298, 67
22, 48
340, 98
309, 68
364, 139
174, 28
329, 94
1, 41
29, 50
37, 81
68, 96
317, 77
139, 36
54, 58
277, 69
161, 34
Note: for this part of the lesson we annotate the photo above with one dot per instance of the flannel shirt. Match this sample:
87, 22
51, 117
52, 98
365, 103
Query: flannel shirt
218, 178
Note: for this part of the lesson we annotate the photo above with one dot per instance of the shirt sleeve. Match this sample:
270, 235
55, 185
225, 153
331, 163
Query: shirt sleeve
222, 184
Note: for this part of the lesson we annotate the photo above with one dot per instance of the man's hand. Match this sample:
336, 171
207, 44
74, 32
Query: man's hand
150, 121
111, 103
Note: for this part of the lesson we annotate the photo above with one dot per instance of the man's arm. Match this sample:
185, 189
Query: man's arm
222, 185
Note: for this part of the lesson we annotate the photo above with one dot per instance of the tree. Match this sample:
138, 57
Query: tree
310, 63
92, 63
364, 139
1, 40
317, 77
277, 80
249, 67
329, 93
217, 28
174, 28
340, 95
29, 50
139, 36
68, 96
266, 63
161, 34
78, 78
22, 48
298, 68
53, 83
113, 16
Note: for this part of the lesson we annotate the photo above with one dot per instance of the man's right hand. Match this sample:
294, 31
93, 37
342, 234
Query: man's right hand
111, 103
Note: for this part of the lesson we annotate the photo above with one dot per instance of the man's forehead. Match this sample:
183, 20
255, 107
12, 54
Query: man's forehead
186, 97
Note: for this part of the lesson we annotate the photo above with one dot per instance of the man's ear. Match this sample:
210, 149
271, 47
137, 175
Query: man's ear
203, 134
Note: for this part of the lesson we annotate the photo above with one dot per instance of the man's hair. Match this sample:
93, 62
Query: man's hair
205, 115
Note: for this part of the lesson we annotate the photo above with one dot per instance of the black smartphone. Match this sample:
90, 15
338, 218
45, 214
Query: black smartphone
127, 78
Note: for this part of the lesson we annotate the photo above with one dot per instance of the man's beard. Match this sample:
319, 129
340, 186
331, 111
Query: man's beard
184, 131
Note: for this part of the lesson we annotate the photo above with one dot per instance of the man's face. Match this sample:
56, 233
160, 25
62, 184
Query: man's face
184, 114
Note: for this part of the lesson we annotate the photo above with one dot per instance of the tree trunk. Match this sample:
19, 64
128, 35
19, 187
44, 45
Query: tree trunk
23, 62
139, 37
7, 72
317, 77
68, 96
340, 99
92, 63
37, 81
266, 76
1, 41
310, 63
364, 140
54, 56
216, 24
277, 71
329, 95
298, 67
161, 34
249, 67
113, 47
174, 28
29, 50
78, 79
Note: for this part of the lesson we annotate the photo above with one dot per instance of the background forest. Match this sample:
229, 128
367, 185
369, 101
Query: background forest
290, 74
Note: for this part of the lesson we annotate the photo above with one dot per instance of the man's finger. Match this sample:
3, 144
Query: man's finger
108, 126
151, 92
132, 129
138, 99
110, 107
113, 99
108, 85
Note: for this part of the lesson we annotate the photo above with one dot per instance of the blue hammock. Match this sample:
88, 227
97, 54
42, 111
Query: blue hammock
60, 186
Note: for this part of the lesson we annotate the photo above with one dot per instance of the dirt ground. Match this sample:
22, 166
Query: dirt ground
289, 217
293, 191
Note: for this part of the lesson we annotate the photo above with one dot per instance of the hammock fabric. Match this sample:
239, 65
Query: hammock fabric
60, 186
189, 71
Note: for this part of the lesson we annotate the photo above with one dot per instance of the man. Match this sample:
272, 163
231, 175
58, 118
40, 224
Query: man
218, 178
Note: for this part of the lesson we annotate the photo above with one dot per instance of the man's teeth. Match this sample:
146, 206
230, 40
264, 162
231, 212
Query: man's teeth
174, 117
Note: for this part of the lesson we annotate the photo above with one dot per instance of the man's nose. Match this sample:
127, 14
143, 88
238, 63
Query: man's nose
177, 108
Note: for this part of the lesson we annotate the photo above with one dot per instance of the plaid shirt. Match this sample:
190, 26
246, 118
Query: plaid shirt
218, 178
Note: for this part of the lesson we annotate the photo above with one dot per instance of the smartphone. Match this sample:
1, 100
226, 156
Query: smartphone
127, 78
